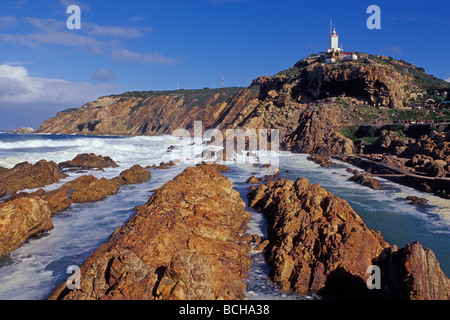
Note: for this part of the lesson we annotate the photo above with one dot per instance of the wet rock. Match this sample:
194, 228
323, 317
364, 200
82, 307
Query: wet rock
252, 180
417, 200
87, 161
184, 243
89, 189
135, 175
366, 180
21, 219
318, 244
27, 176
322, 160
313, 235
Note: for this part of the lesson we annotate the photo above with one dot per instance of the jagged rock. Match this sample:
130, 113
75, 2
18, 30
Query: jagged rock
89, 189
87, 161
416, 200
135, 175
252, 180
314, 236
366, 180
27, 176
21, 219
323, 161
317, 133
412, 273
318, 244
184, 243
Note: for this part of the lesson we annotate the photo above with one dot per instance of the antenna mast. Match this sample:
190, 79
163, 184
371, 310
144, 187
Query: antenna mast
223, 81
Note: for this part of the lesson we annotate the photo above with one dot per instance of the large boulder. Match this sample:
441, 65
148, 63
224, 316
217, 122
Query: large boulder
89, 189
135, 175
88, 161
21, 219
184, 243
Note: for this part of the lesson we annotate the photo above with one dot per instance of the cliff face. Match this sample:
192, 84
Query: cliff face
300, 102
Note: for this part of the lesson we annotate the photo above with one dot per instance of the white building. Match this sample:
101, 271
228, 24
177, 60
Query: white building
334, 41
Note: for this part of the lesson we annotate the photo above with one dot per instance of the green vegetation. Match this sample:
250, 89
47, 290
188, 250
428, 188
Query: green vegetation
69, 110
191, 98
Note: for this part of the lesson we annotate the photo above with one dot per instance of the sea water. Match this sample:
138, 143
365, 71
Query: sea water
37, 268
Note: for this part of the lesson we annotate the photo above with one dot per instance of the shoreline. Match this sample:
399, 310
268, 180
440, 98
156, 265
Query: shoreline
430, 185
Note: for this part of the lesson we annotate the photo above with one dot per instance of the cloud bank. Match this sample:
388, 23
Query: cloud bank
18, 89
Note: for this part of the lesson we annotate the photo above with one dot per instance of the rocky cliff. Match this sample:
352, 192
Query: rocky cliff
303, 102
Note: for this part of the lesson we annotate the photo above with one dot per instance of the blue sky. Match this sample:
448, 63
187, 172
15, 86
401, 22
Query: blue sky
153, 45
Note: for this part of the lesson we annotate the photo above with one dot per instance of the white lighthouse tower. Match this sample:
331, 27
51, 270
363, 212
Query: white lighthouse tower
334, 41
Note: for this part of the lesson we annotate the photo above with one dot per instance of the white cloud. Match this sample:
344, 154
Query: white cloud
448, 79
103, 75
92, 38
21, 90
145, 58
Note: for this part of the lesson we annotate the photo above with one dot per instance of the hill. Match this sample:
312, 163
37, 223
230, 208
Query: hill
313, 104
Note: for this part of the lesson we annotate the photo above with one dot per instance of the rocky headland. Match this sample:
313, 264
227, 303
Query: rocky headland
320, 109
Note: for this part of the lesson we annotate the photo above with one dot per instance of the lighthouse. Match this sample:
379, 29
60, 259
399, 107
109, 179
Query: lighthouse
334, 41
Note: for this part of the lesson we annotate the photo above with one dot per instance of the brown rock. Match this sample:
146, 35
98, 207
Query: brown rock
416, 200
412, 273
21, 219
323, 161
262, 246
252, 180
89, 189
87, 162
134, 175
366, 180
314, 236
318, 244
184, 243
27, 176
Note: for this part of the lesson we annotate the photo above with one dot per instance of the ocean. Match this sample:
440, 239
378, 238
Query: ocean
35, 270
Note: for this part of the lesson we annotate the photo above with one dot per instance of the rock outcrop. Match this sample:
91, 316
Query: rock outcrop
135, 175
184, 243
366, 180
24, 215
87, 161
27, 176
412, 273
316, 239
22, 219
89, 189
318, 244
